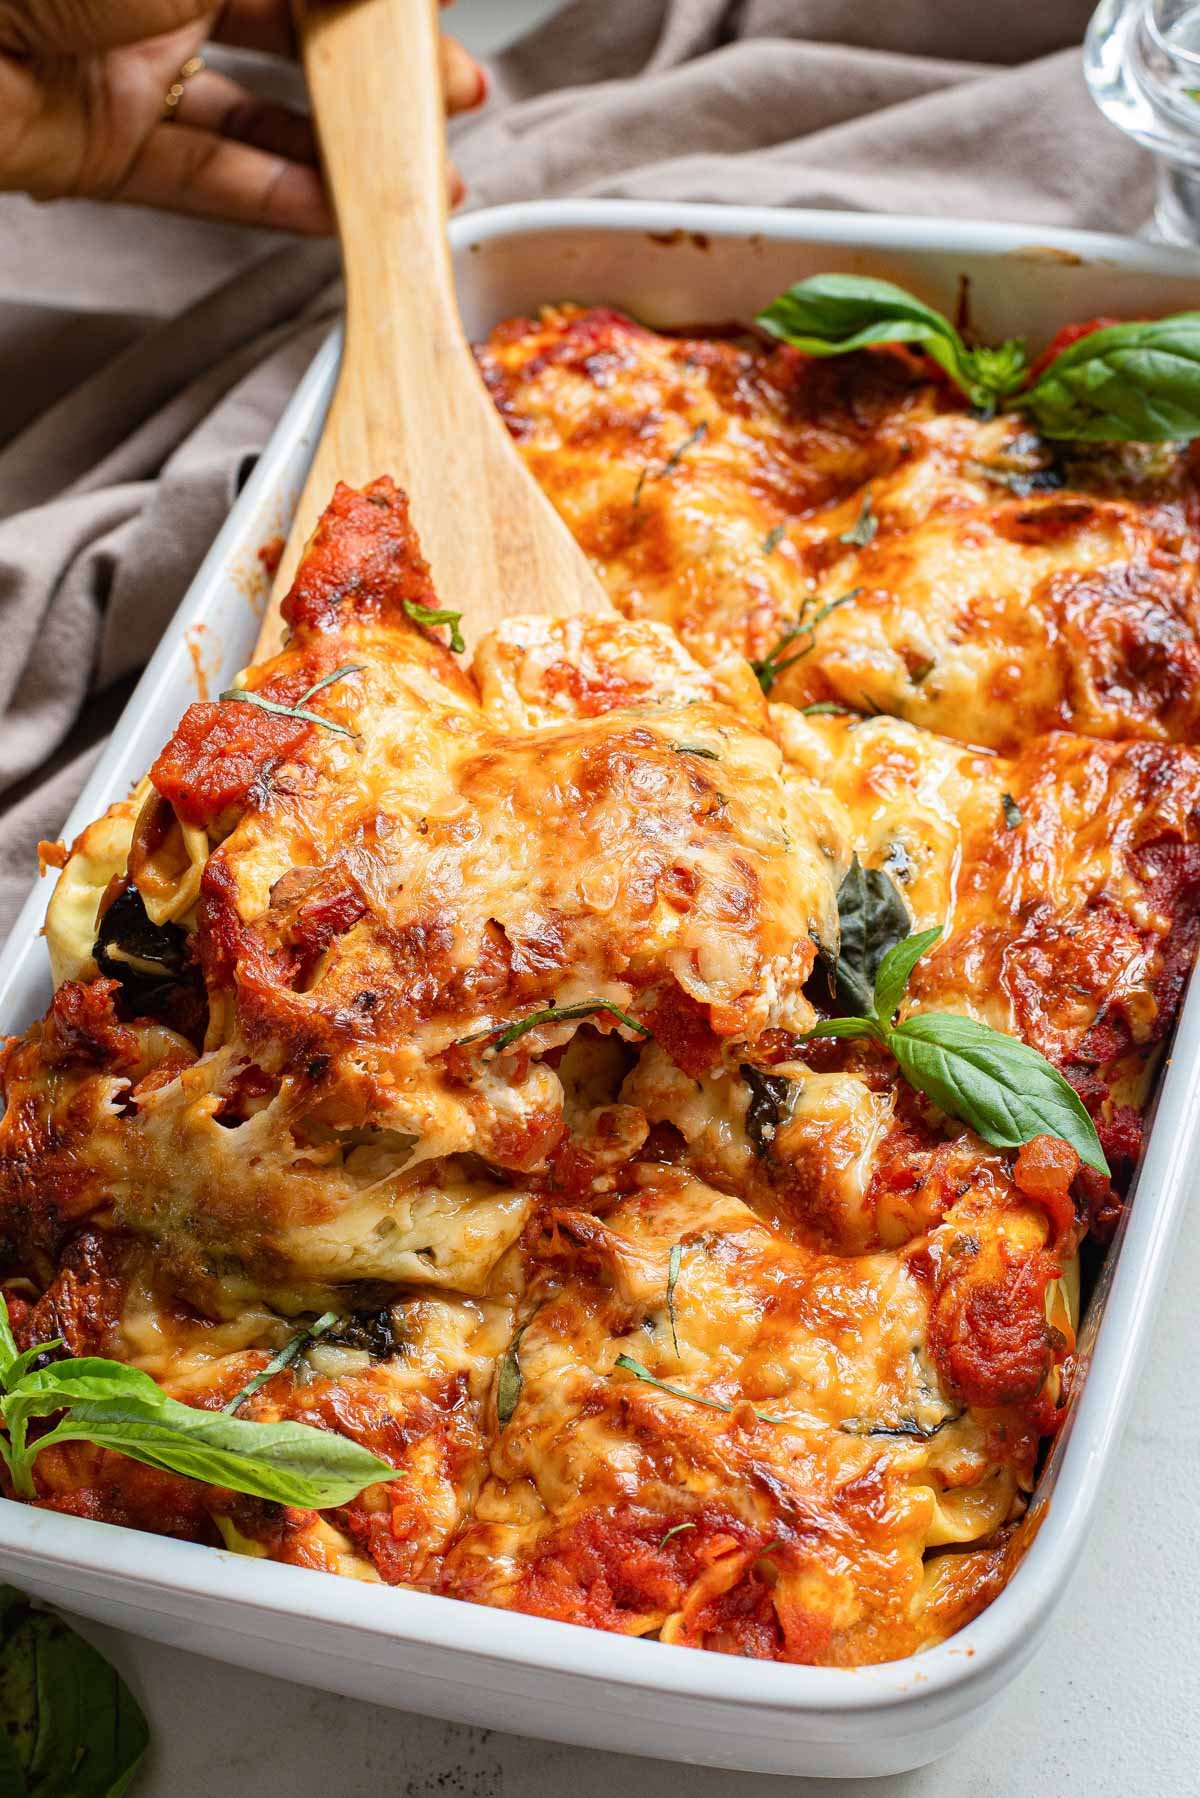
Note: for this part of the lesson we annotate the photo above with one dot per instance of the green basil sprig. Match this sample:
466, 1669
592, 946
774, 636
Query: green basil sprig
1003, 1089
69, 1725
123, 1409
1137, 382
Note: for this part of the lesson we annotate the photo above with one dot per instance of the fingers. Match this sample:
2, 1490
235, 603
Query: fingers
256, 25
188, 169
64, 27
464, 82
214, 103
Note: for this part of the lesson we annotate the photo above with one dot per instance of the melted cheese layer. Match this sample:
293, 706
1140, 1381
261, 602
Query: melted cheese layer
475, 1012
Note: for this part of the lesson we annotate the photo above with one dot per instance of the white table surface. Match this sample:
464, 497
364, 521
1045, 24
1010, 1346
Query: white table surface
1110, 1707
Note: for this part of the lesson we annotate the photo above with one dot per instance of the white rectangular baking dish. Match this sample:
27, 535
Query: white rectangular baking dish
668, 264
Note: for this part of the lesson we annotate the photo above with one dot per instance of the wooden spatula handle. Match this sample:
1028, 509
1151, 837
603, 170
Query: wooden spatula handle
409, 400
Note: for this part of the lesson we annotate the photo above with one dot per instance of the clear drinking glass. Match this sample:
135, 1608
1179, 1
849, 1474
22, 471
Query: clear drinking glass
1142, 63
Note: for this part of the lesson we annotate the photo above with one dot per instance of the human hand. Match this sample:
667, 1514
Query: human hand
83, 110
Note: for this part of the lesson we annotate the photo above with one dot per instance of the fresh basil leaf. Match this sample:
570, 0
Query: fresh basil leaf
69, 1725
873, 918
1001, 1087
26, 1359
895, 969
45, 1389
58, 1387
1136, 382
830, 315
289, 1463
8, 1346
772, 1098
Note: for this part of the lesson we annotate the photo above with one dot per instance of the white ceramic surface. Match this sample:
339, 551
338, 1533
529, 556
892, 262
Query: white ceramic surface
669, 264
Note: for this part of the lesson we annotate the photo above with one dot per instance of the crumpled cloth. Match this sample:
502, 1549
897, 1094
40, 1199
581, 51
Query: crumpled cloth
144, 359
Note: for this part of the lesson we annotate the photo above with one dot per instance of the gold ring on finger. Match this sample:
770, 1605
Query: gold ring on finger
174, 93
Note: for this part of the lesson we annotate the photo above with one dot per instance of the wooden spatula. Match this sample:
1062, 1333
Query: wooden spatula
409, 399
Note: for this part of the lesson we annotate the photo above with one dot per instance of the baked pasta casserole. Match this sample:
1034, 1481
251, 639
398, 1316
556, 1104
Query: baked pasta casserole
434, 1034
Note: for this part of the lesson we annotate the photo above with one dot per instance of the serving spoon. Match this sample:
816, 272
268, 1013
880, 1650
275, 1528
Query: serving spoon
409, 400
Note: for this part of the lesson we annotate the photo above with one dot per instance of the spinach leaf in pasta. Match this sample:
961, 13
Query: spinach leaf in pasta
873, 918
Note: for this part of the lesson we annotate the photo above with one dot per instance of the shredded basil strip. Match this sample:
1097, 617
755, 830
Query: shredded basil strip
284, 1358
554, 1014
1011, 810
863, 530
712, 1404
429, 615
771, 667
671, 464
246, 696
676, 1529
773, 539
710, 755
674, 1263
